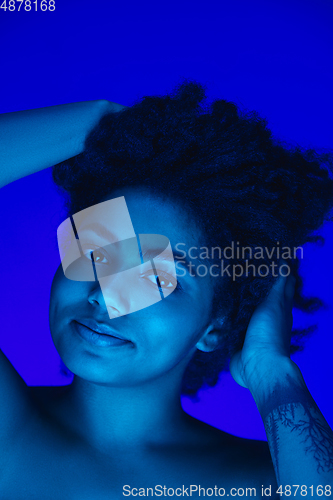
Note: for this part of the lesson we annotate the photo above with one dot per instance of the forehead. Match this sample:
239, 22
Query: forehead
152, 213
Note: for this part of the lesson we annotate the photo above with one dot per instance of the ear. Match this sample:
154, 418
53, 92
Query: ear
210, 339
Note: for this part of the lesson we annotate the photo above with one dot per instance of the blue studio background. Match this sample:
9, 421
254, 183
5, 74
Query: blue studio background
274, 57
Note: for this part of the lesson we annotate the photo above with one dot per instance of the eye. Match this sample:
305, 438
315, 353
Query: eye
165, 280
99, 257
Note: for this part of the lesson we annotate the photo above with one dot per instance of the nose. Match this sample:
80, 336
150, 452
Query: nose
113, 312
109, 297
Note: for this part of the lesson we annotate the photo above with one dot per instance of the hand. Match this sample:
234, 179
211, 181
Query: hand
267, 340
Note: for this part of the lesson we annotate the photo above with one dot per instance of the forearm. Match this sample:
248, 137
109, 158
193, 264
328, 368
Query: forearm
299, 438
39, 138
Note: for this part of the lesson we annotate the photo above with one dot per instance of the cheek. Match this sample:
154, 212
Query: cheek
65, 295
172, 328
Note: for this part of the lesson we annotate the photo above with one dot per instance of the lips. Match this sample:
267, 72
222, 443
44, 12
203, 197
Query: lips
101, 328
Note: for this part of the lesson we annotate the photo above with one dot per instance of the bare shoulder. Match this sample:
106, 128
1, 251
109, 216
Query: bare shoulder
46, 393
248, 461
46, 400
15, 406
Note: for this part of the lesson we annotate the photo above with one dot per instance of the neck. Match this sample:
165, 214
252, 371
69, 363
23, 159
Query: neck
108, 417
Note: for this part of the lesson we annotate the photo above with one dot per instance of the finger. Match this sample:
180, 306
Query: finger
289, 289
277, 291
285, 279
235, 368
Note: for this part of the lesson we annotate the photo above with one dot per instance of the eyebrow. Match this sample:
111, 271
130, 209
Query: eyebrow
100, 230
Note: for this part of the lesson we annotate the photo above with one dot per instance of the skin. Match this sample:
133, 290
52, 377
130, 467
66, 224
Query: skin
121, 420
121, 423
165, 335
147, 373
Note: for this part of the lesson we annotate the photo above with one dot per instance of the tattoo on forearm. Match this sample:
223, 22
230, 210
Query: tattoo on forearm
279, 409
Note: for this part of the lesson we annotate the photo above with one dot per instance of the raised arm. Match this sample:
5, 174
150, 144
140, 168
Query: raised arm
299, 438
39, 138
31, 141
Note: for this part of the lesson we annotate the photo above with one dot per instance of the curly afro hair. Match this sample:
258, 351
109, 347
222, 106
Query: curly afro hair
241, 183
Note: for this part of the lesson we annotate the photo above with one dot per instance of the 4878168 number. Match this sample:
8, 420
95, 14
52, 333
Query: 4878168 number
303, 490
28, 5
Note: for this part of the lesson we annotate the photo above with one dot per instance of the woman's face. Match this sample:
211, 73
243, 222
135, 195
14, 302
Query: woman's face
158, 339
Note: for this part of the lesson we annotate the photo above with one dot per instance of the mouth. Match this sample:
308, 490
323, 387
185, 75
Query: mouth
99, 334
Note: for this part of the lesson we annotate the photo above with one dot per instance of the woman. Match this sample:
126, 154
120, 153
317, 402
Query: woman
202, 179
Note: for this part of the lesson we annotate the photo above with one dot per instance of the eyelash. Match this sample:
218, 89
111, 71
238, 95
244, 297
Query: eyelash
95, 250
165, 275
160, 273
